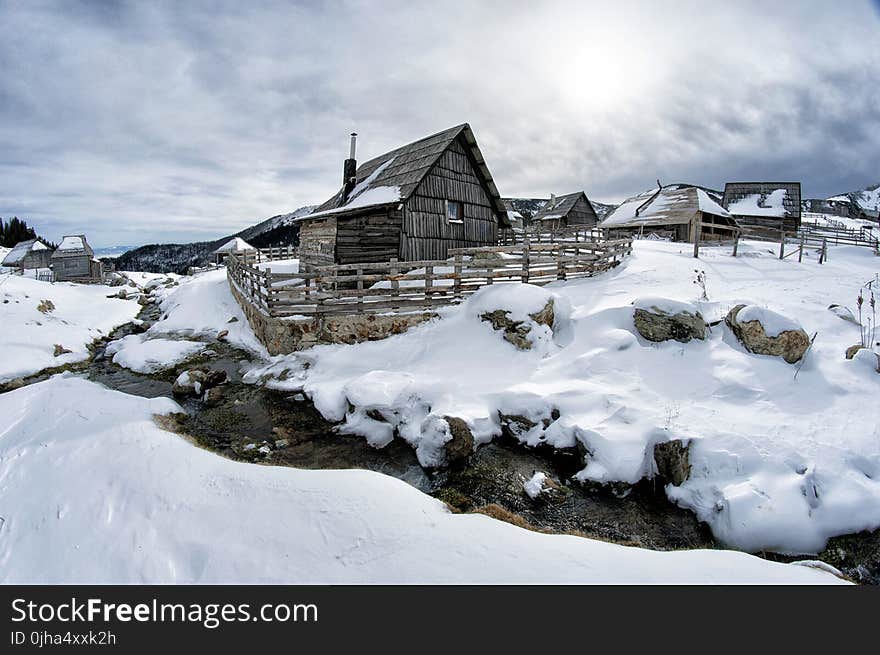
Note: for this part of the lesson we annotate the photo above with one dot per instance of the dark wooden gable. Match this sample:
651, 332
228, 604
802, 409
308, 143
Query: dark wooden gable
427, 233
572, 209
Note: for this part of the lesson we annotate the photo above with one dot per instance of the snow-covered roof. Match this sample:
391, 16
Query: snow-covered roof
235, 244
676, 204
763, 199
73, 245
395, 175
21, 249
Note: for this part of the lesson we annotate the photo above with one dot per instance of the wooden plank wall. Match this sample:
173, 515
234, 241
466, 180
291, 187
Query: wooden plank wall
368, 238
317, 243
581, 214
427, 233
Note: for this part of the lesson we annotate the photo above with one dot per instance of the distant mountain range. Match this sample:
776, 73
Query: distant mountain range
177, 257
528, 207
867, 198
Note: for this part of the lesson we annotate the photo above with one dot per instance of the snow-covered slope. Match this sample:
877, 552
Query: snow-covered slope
867, 198
778, 463
112, 498
74, 317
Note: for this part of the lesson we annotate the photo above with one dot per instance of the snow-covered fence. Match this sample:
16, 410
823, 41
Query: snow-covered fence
395, 286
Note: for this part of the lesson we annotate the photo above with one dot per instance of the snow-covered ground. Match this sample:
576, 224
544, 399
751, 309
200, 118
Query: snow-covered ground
140, 353
778, 463
81, 314
111, 498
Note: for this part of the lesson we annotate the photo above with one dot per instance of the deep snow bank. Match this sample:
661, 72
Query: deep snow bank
777, 463
114, 499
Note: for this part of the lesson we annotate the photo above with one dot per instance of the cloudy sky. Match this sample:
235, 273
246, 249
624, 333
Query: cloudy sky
153, 121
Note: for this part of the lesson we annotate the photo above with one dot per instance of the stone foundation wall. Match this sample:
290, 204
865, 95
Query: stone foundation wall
283, 336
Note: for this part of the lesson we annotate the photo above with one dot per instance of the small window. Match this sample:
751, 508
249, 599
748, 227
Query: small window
454, 211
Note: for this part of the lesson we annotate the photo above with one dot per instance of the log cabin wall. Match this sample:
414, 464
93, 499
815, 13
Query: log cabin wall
317, 243
369, 237
582, 213
427, 234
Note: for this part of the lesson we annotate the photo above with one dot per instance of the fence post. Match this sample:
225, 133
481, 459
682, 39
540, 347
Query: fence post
456, 283
801, 250
698, 227
395, 283
267, 276
735, 243
560, 267
823, 254
429, 283
782, 239
525, 259
360, 287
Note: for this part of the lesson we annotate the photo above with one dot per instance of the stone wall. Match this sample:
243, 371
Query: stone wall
287, 335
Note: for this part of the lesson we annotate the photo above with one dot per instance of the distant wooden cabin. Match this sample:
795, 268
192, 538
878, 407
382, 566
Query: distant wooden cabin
413, 203
234, 245
764, 204
74, 261
28, 255
566, 211
676, 212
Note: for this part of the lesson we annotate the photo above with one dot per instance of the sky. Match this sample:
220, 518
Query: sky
143, 122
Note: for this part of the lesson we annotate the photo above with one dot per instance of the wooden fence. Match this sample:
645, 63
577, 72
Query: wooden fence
397, 286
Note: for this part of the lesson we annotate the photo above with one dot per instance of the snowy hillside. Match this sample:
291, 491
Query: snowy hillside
868, 198
135, 504
177, 258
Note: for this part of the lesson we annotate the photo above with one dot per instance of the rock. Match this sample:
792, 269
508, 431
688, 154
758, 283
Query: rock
657, 322
45, 306
789, 344
461, 446
144, 300
61, 350
518, 332
852, 350
843, 312
123, 294
672, 459
213, 396
196, 381
265, 450
222, 334
234, 319
282, 443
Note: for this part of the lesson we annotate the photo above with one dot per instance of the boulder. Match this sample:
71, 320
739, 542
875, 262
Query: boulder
765, 332
60, 350
222, 335
852, 350
45, 306
658, 319
518, 332
461, 446
672, 460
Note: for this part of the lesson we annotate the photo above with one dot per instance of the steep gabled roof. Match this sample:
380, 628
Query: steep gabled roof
771, 199
675, 204
74, 245
394, 176
20, 250
235, 244
560, 206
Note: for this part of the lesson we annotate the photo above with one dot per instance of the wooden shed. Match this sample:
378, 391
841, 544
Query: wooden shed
235, 245
26, 255
413, 203
74, 261
676, 211
764, 204
565, 211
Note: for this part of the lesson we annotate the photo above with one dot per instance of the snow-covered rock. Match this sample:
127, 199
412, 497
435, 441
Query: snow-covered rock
144, 355
663, 319
766, 332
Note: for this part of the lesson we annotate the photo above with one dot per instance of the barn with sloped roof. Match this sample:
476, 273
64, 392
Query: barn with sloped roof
26, 255
413, 203
764, 204
566, 211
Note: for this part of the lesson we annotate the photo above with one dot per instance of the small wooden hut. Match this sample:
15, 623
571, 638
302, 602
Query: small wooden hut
28, 255
680, 212
74, 261
234, 245
764, 204
566, 211
413, 203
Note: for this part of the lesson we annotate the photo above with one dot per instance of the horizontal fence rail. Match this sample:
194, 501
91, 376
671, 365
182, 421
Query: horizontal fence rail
413, 286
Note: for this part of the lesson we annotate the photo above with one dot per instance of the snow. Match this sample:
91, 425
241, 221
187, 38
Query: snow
82, 314
202, 306
534, 486
773, 323
664, 305
72, 243
706, 204
778, 463
112, 498
380, 195
144, 355
755, 205
12, 257
368, 181
235, 244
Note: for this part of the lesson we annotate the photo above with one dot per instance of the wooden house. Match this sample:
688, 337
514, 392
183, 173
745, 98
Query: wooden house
566, 211
413, 203
74, 261
679, 212
26, 255
764, 204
